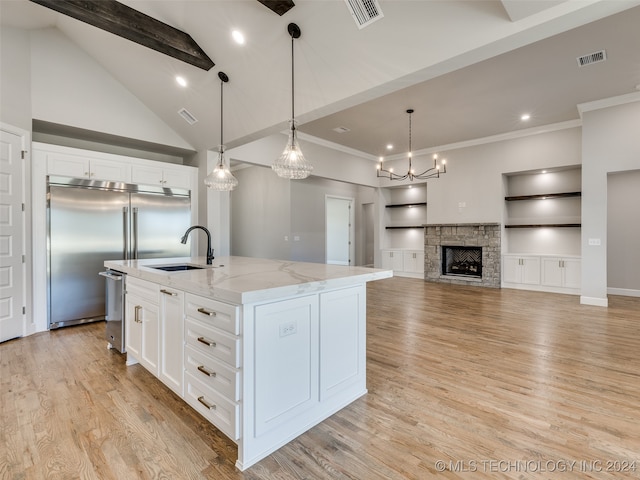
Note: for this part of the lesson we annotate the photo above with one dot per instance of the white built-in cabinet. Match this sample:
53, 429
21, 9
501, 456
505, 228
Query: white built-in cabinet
171, 370
521, 269
142, 326
542, 239
403, 218
261, 373
166, 176
85, 164
78, 166
559, 274
563, 272
408, 263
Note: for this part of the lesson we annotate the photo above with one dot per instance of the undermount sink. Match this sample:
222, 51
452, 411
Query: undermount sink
177, 268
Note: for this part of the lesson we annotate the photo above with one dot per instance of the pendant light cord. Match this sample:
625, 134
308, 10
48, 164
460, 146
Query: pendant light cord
221, 110
293, 116
410, 152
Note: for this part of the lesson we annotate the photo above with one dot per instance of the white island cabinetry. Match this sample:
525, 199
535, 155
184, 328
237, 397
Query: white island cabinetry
269, 349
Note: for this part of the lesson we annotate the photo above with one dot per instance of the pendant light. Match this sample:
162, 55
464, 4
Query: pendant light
433, 172
221, 178
292, 164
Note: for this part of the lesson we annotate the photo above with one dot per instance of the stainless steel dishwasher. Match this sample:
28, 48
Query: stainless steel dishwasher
114, 303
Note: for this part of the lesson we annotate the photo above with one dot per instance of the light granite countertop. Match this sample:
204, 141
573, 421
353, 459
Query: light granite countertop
243, 280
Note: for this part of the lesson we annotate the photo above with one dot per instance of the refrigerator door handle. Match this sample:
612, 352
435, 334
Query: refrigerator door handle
135, 233
125, 232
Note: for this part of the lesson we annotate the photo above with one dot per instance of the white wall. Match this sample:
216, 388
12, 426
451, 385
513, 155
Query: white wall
610, 143
69, 87
474, 174
623, 233
276, 218
15, 74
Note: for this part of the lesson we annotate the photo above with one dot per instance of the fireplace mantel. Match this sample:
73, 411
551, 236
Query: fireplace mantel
485, 235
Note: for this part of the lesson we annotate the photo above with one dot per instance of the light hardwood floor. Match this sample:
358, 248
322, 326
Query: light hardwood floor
493, 383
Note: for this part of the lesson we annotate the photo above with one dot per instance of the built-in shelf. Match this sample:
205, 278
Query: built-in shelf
404, 226
400, 205
543, 196
546, 225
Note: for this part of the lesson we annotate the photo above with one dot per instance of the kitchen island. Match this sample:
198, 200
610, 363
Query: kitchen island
263, 349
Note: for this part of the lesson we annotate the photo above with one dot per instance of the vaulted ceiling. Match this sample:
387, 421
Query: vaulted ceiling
468, 68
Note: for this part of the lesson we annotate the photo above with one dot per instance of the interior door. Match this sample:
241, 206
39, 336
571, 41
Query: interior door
339, 228
12, 271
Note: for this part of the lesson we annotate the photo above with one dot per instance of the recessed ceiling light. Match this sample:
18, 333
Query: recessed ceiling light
543, 171
181, 81
525, 117
238, 37
389, 147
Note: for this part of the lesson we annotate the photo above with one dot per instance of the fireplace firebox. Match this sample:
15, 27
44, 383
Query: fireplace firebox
462, 261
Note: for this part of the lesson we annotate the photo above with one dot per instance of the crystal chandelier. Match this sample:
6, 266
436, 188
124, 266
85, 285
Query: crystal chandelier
433, 172
221, 178
292, 164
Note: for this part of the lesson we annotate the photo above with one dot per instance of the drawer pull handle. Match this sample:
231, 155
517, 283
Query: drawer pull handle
207, 312
210, 406
208, 343
167, 292
206, 372
136, 317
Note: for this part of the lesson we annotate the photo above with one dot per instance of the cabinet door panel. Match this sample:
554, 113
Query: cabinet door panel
149, 352
146, 175
172, 338
511, 269
342, 339
286, 361
572, 273
133, 329
531, 271
67, 165
107, 170
552, 272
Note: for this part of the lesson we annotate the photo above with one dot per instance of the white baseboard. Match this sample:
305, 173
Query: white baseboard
598, 302
627, 292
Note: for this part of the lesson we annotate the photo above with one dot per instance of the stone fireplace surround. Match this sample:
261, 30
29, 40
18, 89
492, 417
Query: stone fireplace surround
485, 235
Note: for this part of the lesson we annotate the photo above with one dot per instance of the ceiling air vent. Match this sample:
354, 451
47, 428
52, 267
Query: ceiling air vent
188, 117
364, 12
595, 57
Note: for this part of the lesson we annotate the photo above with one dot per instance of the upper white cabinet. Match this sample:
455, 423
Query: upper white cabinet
76, 166
87, 164
165, 176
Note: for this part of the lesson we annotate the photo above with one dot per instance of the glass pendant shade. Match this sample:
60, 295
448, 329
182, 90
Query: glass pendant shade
292, 164
221, 178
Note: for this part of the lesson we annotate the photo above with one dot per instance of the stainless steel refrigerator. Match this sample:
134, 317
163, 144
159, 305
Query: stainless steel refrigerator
92, 221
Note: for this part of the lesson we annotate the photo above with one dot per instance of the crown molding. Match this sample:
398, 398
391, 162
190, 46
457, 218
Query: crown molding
608, 102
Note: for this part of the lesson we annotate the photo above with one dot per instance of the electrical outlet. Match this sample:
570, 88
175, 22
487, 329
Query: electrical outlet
288, 328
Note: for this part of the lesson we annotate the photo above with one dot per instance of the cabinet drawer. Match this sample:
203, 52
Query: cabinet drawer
142, 288
213, 342
218, 314
214, 373
214, 407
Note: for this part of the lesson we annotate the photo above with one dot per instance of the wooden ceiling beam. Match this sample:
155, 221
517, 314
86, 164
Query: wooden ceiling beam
278, 6
124, 21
